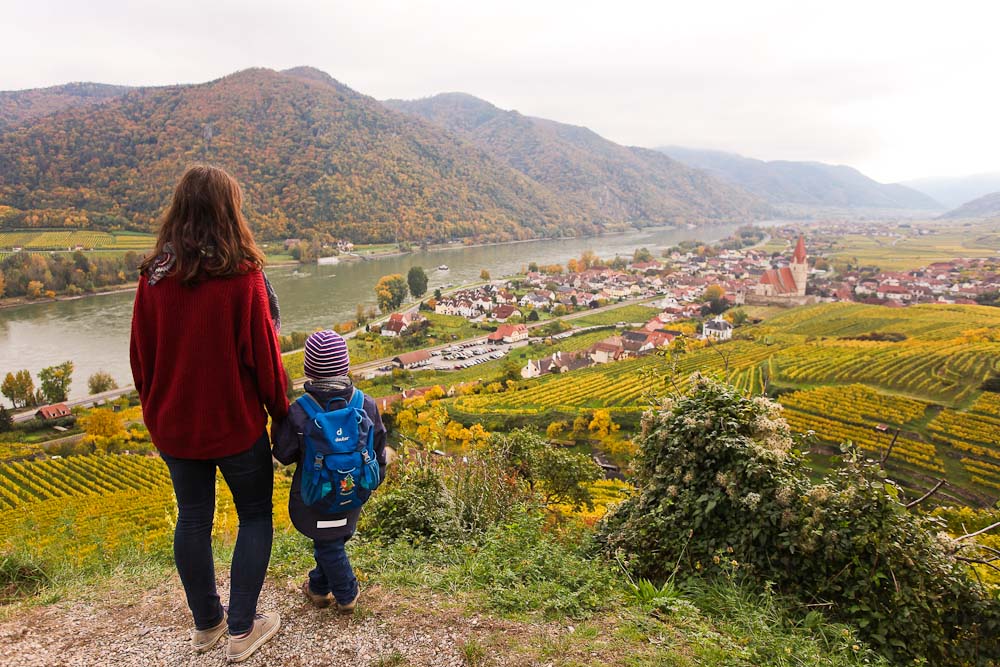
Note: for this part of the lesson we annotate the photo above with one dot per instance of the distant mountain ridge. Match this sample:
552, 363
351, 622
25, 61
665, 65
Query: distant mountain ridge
803, 183
954, 192
609, 181
987, 206
23, 105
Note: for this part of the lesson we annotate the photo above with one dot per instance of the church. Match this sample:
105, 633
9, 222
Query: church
788, 282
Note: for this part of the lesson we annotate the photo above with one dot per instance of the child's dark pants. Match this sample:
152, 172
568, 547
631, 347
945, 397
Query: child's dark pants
333, 573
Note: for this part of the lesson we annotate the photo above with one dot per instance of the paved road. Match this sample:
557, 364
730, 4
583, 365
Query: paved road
87, 401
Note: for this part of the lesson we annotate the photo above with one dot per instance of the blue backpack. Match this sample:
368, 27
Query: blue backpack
339, 468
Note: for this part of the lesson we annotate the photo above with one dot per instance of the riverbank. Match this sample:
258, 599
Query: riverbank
15, 301
458, 245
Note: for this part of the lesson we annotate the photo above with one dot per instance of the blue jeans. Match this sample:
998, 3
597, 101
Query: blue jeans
250, 477
333, 573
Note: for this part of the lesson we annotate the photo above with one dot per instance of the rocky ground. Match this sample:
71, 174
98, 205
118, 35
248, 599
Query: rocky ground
388, 628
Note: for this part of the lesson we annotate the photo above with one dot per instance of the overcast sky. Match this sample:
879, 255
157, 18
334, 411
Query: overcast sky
898, 89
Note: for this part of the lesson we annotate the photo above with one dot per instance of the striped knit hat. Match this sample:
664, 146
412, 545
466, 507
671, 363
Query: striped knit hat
326, 355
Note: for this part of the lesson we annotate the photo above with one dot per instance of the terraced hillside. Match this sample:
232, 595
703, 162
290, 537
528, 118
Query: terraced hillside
841, 371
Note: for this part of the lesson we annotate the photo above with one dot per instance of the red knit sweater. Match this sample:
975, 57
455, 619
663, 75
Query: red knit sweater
206, 362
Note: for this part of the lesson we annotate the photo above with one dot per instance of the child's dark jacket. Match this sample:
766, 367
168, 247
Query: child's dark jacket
288, 448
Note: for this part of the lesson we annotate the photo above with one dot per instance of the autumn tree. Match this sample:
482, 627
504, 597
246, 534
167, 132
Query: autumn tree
642, 255
484, 275
103, 423
19, 388
589, 260
554, 430
390, 291
100, 382
713, 292
739, 317
416, 280
55, 381
602, 425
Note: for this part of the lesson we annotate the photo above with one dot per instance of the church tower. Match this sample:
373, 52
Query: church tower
800, 267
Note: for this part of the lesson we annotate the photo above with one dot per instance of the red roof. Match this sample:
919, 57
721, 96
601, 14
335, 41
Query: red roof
505, 311
53, 411
408, 358
781, 279
800, 250
394, 325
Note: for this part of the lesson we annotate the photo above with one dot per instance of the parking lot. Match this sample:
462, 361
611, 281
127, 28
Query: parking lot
458, 357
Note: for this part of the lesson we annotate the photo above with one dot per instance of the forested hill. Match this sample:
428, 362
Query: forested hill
804, 183
309, 151
24, 105
313, 154
611, 182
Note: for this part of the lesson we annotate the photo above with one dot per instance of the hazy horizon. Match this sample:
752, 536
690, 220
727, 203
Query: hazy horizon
897, 90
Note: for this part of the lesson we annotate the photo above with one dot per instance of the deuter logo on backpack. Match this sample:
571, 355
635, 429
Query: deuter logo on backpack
339, 466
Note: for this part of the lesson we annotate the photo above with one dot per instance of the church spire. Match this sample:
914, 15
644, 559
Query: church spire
800, 251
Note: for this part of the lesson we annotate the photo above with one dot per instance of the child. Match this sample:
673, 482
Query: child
326, 366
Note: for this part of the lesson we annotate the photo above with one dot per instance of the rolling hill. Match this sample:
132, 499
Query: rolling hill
313, 154
613, 183
804, 183
987, 206
310, 152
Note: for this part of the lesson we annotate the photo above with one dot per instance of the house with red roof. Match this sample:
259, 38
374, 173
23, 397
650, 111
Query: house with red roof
54, 411
508, 333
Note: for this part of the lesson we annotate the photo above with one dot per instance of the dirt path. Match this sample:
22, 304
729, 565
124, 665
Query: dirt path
389, 628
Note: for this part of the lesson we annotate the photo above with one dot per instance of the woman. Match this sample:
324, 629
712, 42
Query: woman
206, 362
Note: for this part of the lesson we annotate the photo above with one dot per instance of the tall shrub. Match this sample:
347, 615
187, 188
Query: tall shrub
721, 485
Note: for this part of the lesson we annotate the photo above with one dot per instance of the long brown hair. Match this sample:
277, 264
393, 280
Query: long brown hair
206, 228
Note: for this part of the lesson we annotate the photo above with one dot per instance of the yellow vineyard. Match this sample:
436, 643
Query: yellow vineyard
843, 369
86, 507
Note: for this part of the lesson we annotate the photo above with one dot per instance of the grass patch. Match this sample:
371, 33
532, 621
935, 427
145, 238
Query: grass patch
631, 314
20, 578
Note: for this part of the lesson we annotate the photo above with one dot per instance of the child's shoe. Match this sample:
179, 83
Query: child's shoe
349, 607
317, 600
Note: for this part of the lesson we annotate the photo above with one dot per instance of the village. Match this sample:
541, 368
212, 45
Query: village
691, 286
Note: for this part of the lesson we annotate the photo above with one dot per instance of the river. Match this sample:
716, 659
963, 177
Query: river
93, 332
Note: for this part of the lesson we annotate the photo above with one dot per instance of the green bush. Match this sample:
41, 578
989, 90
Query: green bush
413, 503
35, 425
721, 486
558, 475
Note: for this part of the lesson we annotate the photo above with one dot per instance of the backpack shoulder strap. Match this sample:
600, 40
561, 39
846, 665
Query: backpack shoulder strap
357, 400
309, 404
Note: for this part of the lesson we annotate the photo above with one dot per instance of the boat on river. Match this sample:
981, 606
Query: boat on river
443, 267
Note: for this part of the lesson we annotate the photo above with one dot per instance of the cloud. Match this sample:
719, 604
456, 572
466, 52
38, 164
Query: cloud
901, 89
